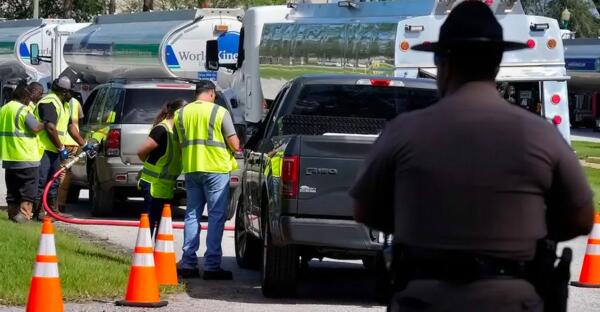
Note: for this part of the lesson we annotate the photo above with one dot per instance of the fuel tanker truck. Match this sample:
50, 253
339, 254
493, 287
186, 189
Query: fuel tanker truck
168, 44
20, 39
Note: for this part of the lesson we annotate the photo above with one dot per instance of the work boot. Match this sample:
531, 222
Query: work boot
13, 210
188, 273
52, 204
38, 211
25, 212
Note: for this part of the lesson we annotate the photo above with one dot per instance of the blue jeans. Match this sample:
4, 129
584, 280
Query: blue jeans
152, 206
49, 164
212, 189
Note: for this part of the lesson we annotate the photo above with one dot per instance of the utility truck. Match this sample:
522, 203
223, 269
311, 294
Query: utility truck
28, 49
278, 43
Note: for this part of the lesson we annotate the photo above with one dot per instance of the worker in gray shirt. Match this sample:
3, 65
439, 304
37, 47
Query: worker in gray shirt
470, 185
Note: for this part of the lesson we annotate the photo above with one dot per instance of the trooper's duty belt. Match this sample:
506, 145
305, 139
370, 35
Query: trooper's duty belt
456, 266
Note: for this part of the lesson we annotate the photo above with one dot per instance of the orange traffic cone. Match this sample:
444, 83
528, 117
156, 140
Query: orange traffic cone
142, 289
590, 270
45, 293
164, 253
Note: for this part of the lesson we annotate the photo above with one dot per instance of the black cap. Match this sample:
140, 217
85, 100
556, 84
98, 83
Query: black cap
205, 85
472, 25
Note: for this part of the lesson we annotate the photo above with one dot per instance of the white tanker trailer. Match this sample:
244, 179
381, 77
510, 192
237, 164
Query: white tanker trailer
154, 45
17, 37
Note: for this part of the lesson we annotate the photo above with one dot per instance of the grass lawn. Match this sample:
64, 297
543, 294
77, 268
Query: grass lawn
585, 150
87, 270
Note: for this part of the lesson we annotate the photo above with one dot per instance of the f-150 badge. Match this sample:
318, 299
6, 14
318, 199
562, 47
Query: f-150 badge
321, 171
307, 189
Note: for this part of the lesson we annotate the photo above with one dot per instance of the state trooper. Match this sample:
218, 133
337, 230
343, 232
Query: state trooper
472, 187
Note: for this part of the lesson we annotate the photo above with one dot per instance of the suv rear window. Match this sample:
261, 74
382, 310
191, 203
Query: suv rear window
142, 105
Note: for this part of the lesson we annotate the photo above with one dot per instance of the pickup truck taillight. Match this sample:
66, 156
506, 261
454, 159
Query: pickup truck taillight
289, 177
113, 143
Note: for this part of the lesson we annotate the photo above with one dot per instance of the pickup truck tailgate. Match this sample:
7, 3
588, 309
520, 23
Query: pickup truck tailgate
328, 167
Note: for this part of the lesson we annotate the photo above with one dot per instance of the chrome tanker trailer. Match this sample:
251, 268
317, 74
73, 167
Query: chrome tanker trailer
154, 45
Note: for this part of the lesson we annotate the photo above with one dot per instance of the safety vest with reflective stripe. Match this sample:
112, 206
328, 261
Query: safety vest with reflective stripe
72, 107
17, 141
162, 175
198, 127
61, 125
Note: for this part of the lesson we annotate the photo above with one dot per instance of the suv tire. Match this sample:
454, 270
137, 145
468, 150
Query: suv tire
247, 247
102, 201
280, 266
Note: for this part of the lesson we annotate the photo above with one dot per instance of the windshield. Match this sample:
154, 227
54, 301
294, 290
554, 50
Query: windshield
141, 106
357, 109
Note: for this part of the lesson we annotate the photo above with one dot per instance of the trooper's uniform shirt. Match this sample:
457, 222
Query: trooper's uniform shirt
471, 173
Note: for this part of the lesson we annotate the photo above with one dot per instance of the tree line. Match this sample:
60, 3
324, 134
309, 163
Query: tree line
582, 21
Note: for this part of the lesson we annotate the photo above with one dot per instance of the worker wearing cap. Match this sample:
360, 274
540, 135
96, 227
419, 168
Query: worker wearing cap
73, 107
207, 137
51, 111
20, 154
475, 190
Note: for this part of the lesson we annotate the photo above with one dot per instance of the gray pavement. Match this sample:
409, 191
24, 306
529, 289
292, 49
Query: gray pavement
586, 135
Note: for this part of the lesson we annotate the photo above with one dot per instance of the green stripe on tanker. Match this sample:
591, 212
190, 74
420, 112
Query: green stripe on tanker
136, 50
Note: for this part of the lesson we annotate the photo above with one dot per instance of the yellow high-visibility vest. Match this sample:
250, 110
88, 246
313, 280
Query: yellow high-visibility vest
61, 124
73, 107
17, 142
198, 128
162, 175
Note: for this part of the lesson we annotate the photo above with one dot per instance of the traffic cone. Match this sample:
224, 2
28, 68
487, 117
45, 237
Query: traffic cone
45, 293
142, 289
164, 253
590, 270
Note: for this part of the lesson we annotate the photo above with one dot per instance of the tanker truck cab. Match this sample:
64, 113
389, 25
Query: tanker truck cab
22, 43
534, 79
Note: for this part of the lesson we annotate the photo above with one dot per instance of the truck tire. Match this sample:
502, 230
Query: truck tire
279, 270
102, 201
247, 247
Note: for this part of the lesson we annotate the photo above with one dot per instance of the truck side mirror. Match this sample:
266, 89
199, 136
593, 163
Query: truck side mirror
212, 55
35, 54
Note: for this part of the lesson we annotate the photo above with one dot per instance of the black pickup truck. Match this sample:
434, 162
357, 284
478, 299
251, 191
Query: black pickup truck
294, 203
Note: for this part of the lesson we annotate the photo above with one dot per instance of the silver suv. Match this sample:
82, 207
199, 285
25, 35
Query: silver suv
119, 116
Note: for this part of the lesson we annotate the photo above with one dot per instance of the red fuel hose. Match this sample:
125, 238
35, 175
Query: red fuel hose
176, 225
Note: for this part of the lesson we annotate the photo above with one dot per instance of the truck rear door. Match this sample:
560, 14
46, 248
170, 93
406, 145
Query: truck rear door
336, 126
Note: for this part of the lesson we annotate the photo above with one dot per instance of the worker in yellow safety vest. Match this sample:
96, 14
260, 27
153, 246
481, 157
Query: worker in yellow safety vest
57, 124
73, 107
20, 154
161, 155
208, 138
